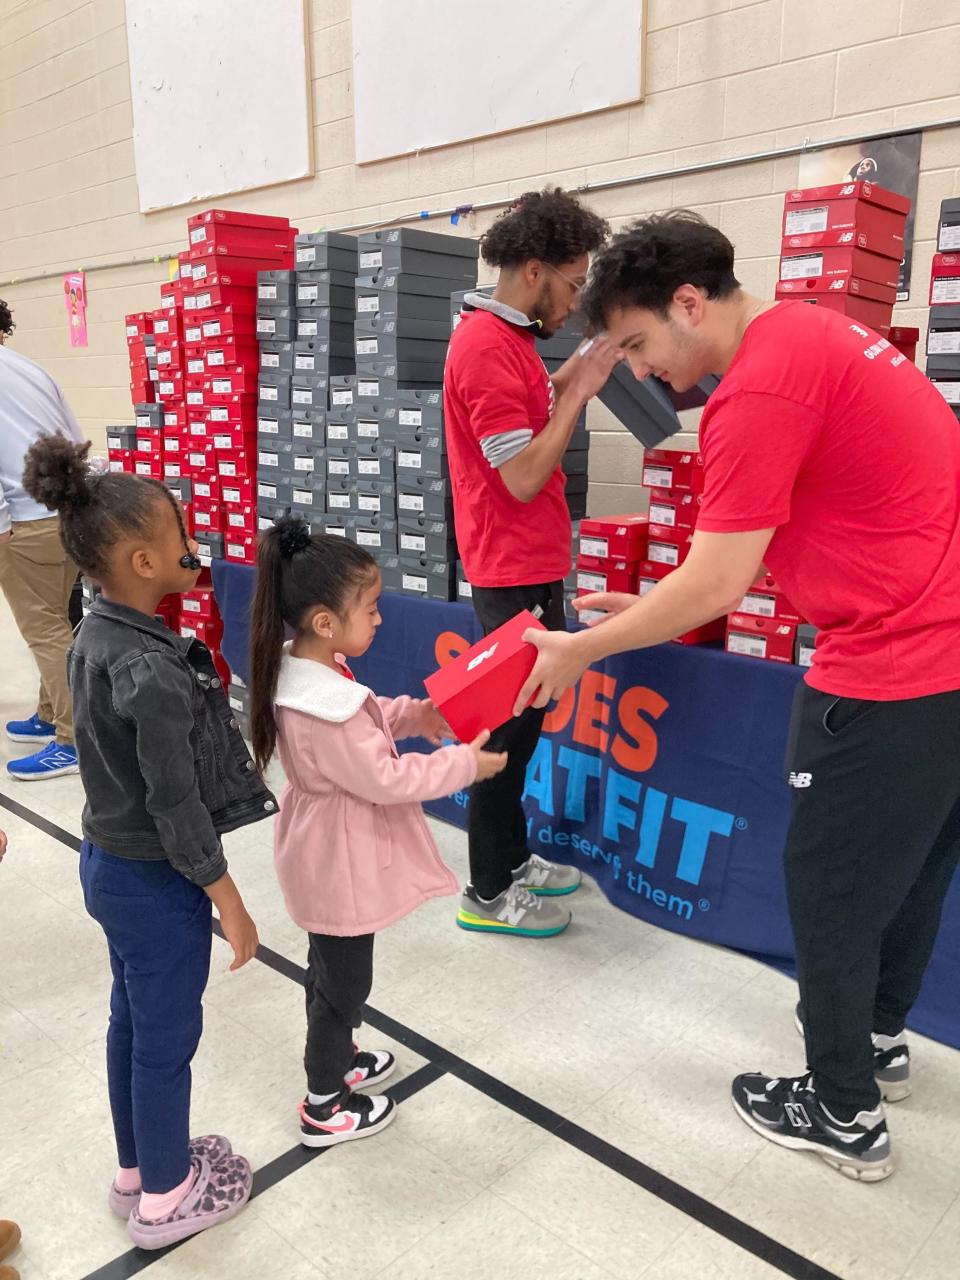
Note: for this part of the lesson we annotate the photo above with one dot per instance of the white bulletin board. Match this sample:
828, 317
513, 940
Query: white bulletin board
219, 93
428, 73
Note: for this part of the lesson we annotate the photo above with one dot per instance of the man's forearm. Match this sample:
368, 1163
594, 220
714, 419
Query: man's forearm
678, 604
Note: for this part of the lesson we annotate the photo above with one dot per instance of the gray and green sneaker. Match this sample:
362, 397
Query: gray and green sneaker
547, 879
891, 1062
514, 911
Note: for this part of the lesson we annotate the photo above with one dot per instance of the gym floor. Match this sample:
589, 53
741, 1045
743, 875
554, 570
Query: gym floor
565, 1103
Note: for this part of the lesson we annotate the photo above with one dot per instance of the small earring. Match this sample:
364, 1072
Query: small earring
329, 633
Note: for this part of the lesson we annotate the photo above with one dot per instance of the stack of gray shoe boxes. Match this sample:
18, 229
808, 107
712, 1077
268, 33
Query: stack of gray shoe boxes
305, 327
388, 483
943, 333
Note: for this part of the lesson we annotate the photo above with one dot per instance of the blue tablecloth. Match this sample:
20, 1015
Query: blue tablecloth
661, 777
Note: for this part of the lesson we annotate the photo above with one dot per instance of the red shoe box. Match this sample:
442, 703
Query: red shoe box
193, 387
596, 574
240, 548
754, 637
174, 467
195, 366
673, 469
233, 437
175, 415
239, 492
176, 443
206, 486
149, 444
614, 537
143, 392
192, 331
172, 295
201, 456
208, 631
122, 460
479, 688
234, 380
833, 264
674, 508
904, 338
170, 353
232, 410
210, 296
766, 600
138, 323
874, 312
200, 604
888, 245
668, 546
208, 516
235, 463
709, 633
239, 249
649, 573
230, 322
240, 519
229, 271
849, 206
211, 225
945, 279
168, 323
184, 265
218, 354
171, 385
150, 465
198, 428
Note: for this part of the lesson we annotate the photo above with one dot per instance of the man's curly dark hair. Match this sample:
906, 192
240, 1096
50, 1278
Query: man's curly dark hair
6, 319
551, 225
644, 265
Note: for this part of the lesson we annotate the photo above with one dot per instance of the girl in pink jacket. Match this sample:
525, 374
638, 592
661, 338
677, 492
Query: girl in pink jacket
353, 851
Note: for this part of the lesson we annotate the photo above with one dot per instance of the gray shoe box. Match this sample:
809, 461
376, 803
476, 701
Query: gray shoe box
374, 460
276, 324
341, 496
417, 373
181, 489
209, 547
401, 350
325, 251
309, 459
275, 458
431, 498
277, 356
418, 460
324, 289
416, 238
121, 437
430, 437
426, 252
370, 427
340, 461
343, 391
308, 493
273, 387
310, 391
340, 428
375, 533
464, 589
576, 484
148, 415
574, 462
417, 576
309, 426
315, 355
277, 287
274, 488
333, 524
374, 325
273, 423
325, 323
377, 497
805, 644
434, 539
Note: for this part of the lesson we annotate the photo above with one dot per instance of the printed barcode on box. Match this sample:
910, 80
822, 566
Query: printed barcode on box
370, 260
267, 292
197, 234
339, 501
412, 583
304, 430
338, 467
302, 395
944, 342
945, 289
369, 303
301, 362
303, 464
663, 515
411, 460
411, 417
342, 397
749, 646
591, 581
413, 542
369, 466
222, 386
369, 389
367, 346
307, 253
219, 414
211, 328
800, 268
368, 430
763, 606
191, 606
949, 238
594, 547
367, 538
805, 221
307, 328
338, 431
663, 553
410, 502
658, 477
369, 502
266, 324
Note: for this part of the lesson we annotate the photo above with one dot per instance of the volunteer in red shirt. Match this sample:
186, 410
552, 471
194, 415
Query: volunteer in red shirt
507, 427
832, 460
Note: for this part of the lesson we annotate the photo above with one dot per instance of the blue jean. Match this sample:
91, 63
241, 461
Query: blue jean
159, 930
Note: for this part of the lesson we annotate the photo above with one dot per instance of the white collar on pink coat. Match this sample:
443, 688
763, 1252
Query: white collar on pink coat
311, 687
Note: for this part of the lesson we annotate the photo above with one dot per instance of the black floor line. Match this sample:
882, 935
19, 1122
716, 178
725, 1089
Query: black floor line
136, 1260
441, 1061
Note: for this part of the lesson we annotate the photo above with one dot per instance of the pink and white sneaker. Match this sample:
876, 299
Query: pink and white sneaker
351, 1116
369, 1068
212, 1145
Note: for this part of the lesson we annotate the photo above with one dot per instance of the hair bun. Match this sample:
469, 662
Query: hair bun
293, 536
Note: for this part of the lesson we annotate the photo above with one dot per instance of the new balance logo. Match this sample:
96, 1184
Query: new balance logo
800, 780
797, 1115
511, 915
482, 657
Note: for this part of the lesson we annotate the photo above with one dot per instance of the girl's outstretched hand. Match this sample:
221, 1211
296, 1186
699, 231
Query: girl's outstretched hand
435, 728
489, 763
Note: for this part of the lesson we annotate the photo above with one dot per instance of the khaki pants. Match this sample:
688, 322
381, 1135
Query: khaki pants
37, 577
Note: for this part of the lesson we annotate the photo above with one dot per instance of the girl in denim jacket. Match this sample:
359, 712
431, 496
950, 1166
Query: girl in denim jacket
166, 773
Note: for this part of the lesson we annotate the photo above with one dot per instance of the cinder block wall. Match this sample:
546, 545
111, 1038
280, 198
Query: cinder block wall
724, 78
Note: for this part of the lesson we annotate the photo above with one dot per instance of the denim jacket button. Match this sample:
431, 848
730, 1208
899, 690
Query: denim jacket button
215, 683
250, 766
269, 806
203, 678
234, 724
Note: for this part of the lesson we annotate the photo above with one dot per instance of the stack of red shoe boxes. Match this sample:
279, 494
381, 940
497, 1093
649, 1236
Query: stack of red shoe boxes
610, 552
765, 625
141, 349
675, 481
199, 618
842, 248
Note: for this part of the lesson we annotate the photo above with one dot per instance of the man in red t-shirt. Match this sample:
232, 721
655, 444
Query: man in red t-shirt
832, 460
508, 426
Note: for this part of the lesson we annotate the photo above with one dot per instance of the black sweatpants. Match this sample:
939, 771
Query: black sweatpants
497, 829
338, 981
872, 848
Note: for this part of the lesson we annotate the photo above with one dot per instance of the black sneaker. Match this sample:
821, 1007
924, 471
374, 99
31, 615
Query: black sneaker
351, 1116
891, 1062
369, 1068
789, 1113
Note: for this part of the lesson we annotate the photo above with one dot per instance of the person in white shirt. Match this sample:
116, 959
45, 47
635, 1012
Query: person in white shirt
36, 575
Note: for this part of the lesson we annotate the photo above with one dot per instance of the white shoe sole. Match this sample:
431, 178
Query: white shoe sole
858, 1170
41, 739
375, 1080
318, 1140
890, 1090
42, 777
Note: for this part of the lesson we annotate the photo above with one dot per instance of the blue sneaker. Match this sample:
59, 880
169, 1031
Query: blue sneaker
52, 762
32, 730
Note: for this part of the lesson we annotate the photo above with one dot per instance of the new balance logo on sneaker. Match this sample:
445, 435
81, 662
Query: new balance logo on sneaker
800, 780
514, 911
52, 762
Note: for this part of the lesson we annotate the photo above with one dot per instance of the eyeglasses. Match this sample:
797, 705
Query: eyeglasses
575, 285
